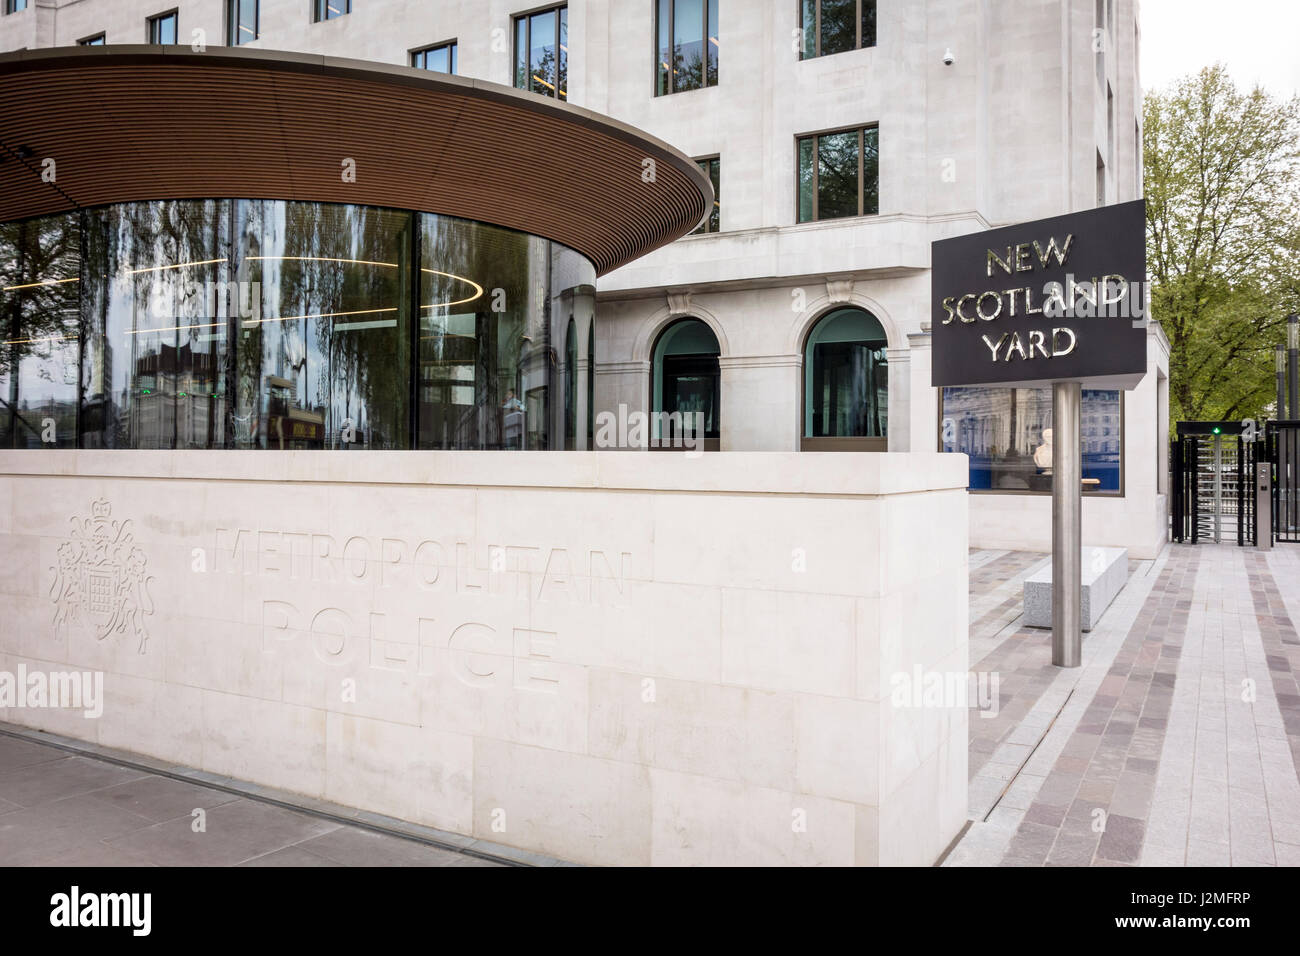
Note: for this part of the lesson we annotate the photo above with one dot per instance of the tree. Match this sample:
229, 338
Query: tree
1223, 194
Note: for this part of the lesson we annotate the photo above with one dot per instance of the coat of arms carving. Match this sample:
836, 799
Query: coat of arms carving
101, 577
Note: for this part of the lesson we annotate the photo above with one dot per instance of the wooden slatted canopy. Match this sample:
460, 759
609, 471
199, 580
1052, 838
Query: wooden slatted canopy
126, 123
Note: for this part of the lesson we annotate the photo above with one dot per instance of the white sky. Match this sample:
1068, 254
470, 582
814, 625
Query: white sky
1259, 40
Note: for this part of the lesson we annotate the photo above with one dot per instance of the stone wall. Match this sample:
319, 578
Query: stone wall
609, 658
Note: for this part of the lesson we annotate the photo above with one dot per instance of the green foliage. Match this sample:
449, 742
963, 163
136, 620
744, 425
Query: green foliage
1223, 242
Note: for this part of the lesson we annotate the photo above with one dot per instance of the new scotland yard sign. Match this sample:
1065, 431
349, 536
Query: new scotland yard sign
1061, 299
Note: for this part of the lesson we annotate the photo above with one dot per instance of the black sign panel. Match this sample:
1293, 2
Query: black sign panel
1060, 299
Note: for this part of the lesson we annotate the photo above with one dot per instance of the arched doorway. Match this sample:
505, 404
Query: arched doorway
686, 380
845, 383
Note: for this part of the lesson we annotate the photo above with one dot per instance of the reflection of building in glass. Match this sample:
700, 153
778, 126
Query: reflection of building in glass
1002, 429
294, 334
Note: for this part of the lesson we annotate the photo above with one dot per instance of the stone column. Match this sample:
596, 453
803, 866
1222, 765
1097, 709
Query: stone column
900, 399
924, 398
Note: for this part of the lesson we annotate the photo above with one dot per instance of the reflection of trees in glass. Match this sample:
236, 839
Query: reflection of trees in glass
473, 353
688, 55
837, 175
39, 316
156, 349
331, 343
839, 30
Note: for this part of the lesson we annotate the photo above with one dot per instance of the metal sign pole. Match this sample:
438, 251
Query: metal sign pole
1067, 525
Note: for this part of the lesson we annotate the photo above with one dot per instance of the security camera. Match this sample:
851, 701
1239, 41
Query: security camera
948, 58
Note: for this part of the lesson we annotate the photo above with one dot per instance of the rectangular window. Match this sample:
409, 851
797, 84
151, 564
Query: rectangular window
96, 40
686, 45
330, 9
440, 58
839, 174
836, 26
15, 6
241, 21
711, 168
542, 52
162, 28
1007, 432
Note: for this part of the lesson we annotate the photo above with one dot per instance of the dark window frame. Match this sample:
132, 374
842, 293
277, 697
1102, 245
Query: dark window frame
800, 139
656, 50
835, 443
95, 39
561, 94
232, 23
453, 55
151, 26
817, 30
711, 441
320, 10
706, 228
11, 6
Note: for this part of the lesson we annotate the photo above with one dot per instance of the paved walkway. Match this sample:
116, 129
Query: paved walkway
58, 808
1176, 743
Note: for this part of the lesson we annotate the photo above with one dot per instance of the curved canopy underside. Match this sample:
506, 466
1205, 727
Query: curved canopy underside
125, 123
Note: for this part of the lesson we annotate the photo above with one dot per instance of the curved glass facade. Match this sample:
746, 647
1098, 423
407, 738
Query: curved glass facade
288, 325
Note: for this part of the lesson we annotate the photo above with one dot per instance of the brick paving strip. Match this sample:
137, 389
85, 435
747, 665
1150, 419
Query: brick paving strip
1105, 773
1226, 788
1025, 750
1281, 644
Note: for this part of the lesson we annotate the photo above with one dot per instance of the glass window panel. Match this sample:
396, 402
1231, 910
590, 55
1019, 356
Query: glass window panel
846, 377
322, 363
521, 53
330, 9
712, 47
157, 344
571, 386
688, 45
488, 369
871, 171
808, 16
591, 384
715, 170
1007, 433
687, 379
542, 53
838, 30
807, 172
562, 84
663, 66
39, 329
712, 169
243, 21
163, 29
868, 23
455, 67
837, 175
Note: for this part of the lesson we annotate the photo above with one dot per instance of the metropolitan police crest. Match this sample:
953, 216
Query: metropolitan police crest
101, 577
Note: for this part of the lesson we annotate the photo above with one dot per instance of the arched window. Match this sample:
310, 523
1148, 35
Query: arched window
686, 380
845, 383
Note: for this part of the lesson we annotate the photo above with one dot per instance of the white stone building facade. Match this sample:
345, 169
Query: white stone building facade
985, 113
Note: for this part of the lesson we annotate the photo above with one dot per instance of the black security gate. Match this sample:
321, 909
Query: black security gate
1212, 467
1283, 440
